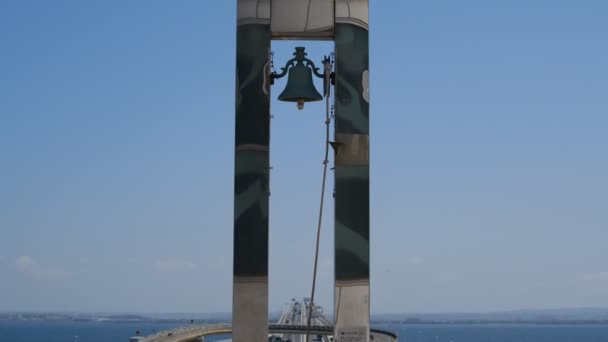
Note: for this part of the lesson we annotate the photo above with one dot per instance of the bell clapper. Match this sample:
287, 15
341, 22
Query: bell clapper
300, 104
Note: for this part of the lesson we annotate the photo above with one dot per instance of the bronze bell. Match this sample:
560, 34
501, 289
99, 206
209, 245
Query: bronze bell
300, 87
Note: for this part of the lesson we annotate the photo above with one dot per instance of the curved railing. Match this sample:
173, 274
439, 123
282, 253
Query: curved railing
193, 332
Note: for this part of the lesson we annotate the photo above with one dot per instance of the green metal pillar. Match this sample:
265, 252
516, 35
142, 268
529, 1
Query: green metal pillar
352, 175
251, 190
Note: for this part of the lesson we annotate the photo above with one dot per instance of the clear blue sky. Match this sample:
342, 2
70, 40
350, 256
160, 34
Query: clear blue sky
489, 157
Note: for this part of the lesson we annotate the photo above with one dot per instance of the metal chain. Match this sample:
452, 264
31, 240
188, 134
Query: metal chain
272, 61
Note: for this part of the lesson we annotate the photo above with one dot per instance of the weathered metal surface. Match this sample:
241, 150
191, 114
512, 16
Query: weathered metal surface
251, 182
253, 12
351, 149
302, 19
354, 12
352, 172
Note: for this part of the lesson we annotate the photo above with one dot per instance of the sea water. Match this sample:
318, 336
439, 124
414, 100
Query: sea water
42, 331
498, 333
69, 331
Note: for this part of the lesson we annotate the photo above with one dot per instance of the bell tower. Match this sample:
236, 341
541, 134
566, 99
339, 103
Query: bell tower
258, 23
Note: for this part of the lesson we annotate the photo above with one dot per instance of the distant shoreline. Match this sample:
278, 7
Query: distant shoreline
145, 320
565, 316
573, 322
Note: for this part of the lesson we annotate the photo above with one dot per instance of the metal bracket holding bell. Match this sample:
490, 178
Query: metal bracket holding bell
300, 87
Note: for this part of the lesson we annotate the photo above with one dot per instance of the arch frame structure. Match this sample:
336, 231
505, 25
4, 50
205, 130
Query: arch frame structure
346, 22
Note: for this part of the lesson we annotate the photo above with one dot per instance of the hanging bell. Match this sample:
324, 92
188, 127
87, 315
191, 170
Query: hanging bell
300, 87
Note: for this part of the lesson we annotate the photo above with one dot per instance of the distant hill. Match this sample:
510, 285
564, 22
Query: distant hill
545, 316
538, 316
